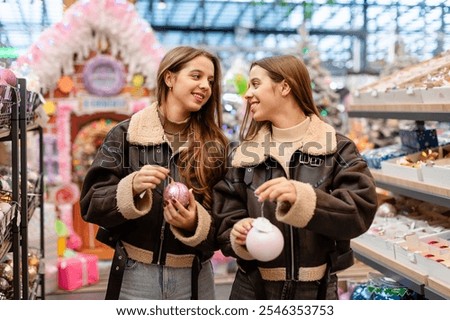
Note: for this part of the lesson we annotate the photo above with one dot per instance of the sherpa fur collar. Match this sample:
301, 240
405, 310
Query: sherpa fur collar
145, 127
320, 139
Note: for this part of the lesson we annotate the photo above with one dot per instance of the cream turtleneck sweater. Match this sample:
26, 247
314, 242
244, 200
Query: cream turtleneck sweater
176, 132
284, 142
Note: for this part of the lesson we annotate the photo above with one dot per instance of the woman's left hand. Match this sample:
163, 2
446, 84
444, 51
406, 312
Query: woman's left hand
278, 189
181, 217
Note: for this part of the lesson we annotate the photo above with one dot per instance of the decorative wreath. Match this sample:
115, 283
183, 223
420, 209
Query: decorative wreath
104, 76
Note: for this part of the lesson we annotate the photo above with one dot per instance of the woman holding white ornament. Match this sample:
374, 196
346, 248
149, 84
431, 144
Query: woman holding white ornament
296, 194
136, 190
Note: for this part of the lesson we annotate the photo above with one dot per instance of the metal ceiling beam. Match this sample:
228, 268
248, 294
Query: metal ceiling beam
286, 15
172, 11
219, 12
328, 32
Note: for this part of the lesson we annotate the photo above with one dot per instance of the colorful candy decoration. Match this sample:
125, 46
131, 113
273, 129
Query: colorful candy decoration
66, 194
49, 107
138, 80
65, 84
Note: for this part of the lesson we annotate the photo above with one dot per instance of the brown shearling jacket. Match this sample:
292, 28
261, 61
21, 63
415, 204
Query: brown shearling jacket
336, 202
107, 198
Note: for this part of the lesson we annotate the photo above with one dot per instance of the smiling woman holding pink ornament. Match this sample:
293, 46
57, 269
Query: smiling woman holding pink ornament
296, 194
150, 185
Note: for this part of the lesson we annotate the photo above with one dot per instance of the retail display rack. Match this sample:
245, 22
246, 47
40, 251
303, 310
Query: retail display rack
417, 280
17, 119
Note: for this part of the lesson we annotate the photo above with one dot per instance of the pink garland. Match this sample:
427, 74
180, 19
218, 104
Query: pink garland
63, 142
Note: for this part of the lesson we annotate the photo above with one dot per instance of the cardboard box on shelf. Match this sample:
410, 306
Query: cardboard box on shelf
396, 167
419, 139
429, 254
437, 173
437, 95
393, 168
407, 251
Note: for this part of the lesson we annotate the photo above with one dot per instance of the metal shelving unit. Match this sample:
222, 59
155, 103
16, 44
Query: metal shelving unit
19, 168
420, 283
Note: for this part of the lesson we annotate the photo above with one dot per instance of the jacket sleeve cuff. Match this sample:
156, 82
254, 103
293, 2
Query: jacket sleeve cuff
132, 207
201, 232
302, 211
241, 251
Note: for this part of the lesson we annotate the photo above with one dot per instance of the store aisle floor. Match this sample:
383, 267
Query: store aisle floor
97, 291
357, 273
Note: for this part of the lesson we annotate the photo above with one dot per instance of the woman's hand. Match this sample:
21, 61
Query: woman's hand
148, 178
278, 189
179, 216
241, 229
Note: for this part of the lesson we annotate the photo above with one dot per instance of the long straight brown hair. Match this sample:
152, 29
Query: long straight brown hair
279, 68
203, 163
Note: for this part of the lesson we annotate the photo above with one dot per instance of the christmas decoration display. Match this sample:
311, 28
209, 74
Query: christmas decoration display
384, 132
89, 26
325, 98
86, 144
234, 88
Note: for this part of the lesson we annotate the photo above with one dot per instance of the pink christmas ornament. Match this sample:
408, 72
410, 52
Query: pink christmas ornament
264, 240
178, 191
9, 77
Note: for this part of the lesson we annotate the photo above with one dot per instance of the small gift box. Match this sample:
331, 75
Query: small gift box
78, 271
374, 157
419, 139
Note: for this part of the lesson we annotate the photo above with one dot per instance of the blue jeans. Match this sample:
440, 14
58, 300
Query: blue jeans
155, 282
243, 289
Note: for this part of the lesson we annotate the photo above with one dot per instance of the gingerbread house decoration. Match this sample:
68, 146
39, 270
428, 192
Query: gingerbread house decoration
94, 68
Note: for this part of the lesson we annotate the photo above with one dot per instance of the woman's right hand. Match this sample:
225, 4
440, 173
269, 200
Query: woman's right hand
241, 229
148, 178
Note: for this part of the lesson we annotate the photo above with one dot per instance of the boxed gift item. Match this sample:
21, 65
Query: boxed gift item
410, 167
77, 271
419, 139
437, 173
374, 157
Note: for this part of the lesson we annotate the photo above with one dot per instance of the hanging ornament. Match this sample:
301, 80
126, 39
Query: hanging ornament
65, 84
240, 84
49, 107
137, 80
264, 240
177, 191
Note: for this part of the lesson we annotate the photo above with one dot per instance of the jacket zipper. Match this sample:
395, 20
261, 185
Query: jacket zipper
161, 237
163, 226
291, 229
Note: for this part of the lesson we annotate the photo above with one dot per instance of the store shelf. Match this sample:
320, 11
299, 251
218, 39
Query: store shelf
15, 131
428, 287
402, 274
414, 189
437, 289
420, 112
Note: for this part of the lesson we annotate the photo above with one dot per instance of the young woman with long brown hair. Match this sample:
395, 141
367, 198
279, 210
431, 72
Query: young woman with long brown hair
310, 182
162, 247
